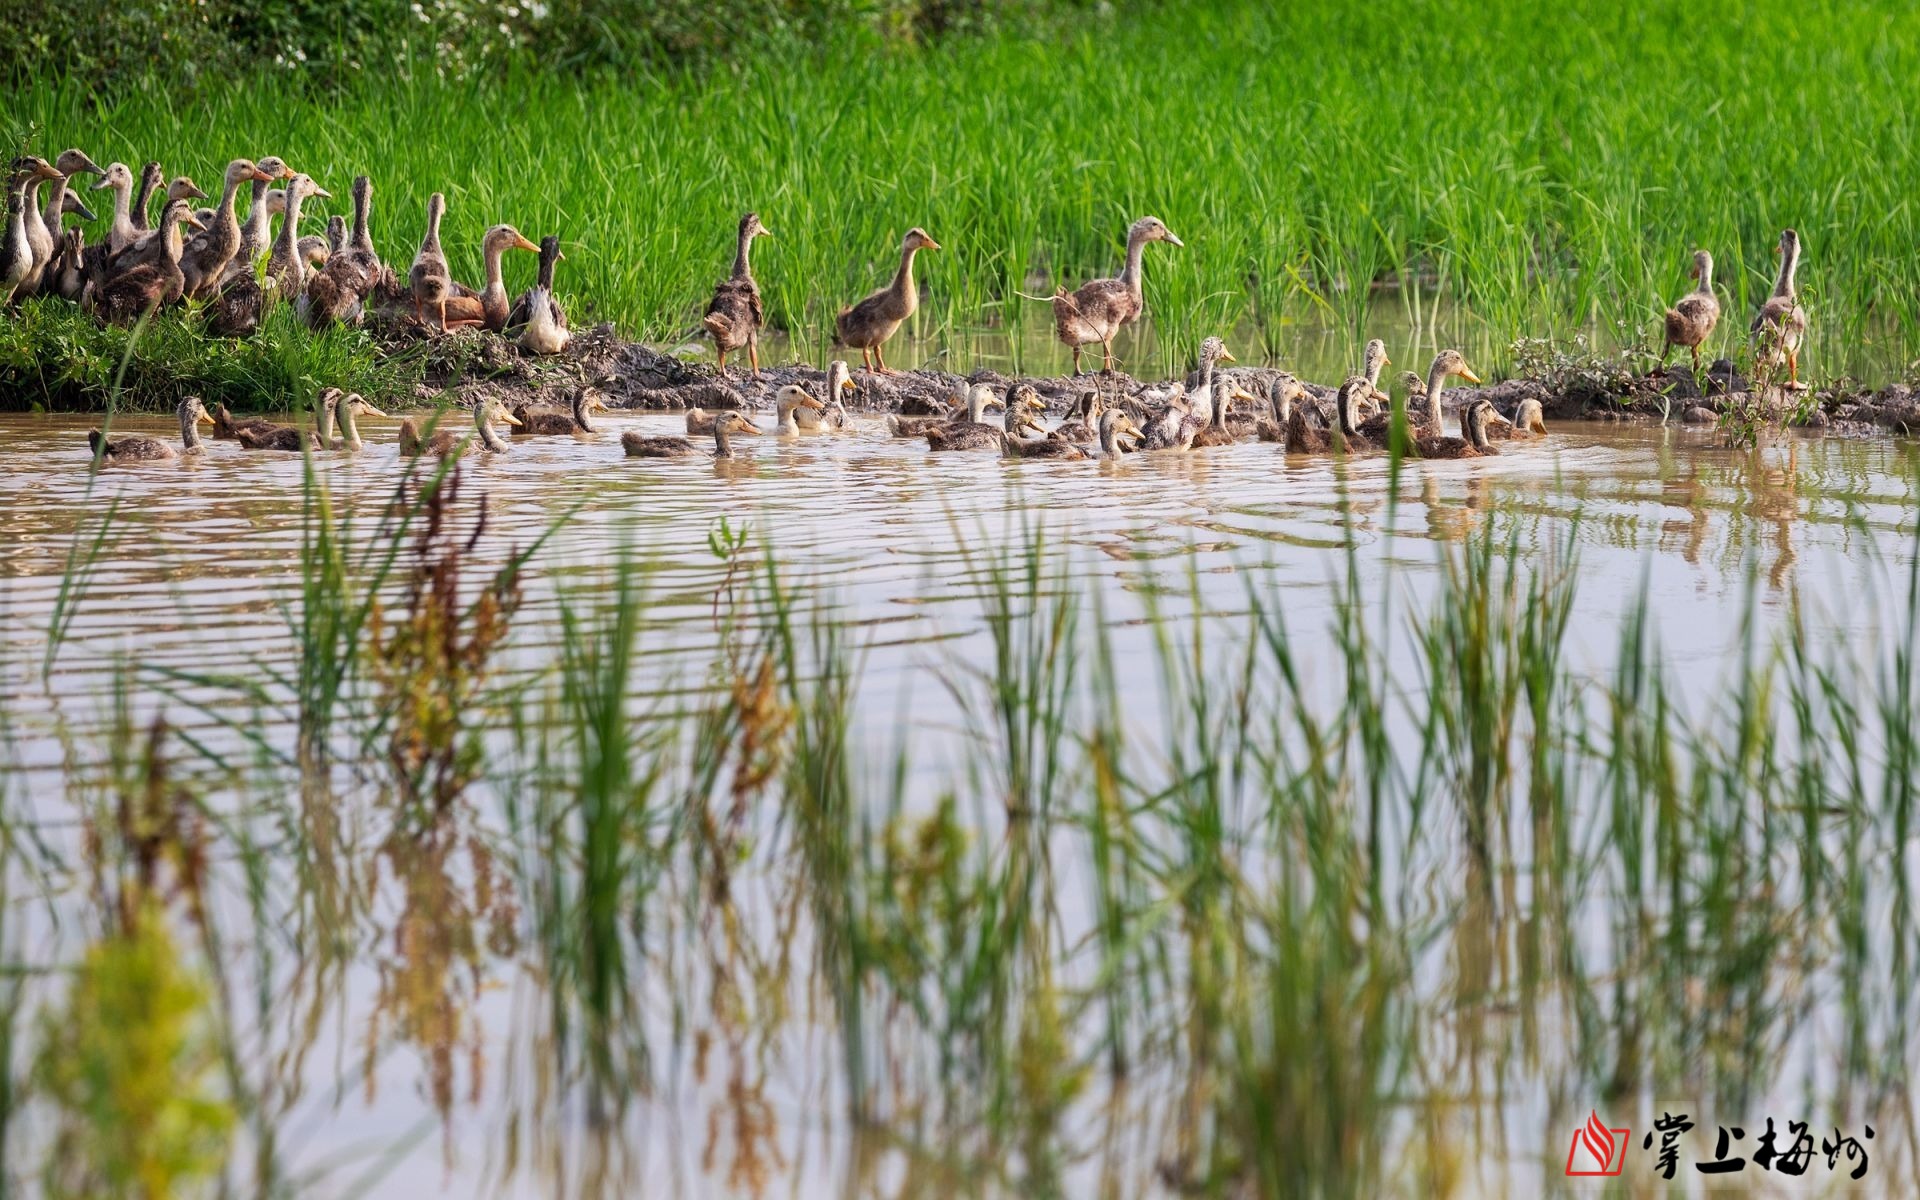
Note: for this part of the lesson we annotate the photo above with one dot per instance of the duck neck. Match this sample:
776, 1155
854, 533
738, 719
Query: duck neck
172, 240
722, 440
1374, 364
323, 425
906, 295
489, 436
1136, 254
32, 205
789, 422
349, 427
742, 270
580, 418
1282, 407
362, 238
17, 219
1789, 264
53, 215
496, 284
255, 232
225, 218
431, 243
289, 244
189, 430
149, 184
1436, 379
1110, 439
1477, 427
1348, 402
1706, 277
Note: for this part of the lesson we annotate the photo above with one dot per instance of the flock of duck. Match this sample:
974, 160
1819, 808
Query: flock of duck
237, 269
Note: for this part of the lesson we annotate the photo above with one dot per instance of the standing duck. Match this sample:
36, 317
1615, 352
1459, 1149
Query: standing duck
1200, 396
140, 216
447, 443
1423, 420
1103, 307
120, 229
832, 418
866, 326
541, 322
546, 422
287, 265
1473, 440
637, 445
1781, 325
61, 200
734, 315
254, 234
207, 256
16, 252
429, 277
131, 293
1692, 318
338, 293
40, 243
145, 249
119, 451
488, 308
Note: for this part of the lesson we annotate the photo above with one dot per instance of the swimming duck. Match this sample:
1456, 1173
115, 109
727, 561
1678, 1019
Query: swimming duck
1291, 424
347, 409
1781, 324
131, 293
206, 258
734, 314
832, 418
1115, 426
1082, 425
1103, 307
547, 422
16, 252
1176, 428
264, 435
1216, 432
724, 426
287, 264
1529, 421
1351, 438
1372, 360
866, 326
1424, 420
1473, 443
789, 400
1213, 352
447, 443
1691, 319
114, 451
541, 322
429, 277
488, 307
1046, 446
975, 403
975, 434
1283, 392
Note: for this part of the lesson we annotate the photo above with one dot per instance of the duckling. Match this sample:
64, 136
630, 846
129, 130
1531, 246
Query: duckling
132, 293
207, 256
1114, 426
540, 319
734, 314
287, 264
552, 423
16, 252
976, 402
1473, 425
1423, 421
1691, 319
972, 433
1781, 324
866, 326
70, 280
724, 426
314, 251
489, 306
787, 401
1103, 307
118, 451
960, 435
292, 438
447, 443
429, 277
833, 417
1351, 439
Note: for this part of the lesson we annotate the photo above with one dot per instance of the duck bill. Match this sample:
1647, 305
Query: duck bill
846, 385
522, 243
260, 176
321, 193
1227, 356
1172, 240
508, 417
1468, 375
88, 167
368, 410
80, 210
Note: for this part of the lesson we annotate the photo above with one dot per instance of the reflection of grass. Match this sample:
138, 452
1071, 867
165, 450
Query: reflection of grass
1518, 164
1251, 920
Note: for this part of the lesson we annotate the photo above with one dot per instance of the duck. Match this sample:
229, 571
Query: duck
1047, 446
1082, 425
1176, 428
347, 409
967, 435
1473, 442
265, 435
975, 403
287, 264
734, 314
339, 292
488, 308
39, 244
70, 278
131, 293
1691, 319
724, 426
205, 262
1101, 308
145, 248
1283, 392
1291, 425
255, 233
16, 251
119, 451
1424, 420
120, 228
448, 443
1781, 324
431, 281
61, 200
1213, 352
832, 416
1115, 425
140, 216
538, 317
1217, 431
1372, 360
866, 326
547, 422
1351, 438
226, 428
1529, 421
979, 397
789, 400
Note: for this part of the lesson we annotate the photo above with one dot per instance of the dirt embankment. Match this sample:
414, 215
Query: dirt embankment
472, 365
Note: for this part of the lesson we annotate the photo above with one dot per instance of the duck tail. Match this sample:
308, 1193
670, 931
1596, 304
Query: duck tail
893, 425
716, 324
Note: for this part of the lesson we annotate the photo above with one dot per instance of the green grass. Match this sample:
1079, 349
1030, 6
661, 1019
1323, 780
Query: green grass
1545, 175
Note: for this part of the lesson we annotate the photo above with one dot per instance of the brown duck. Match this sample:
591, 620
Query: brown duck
1102, 308
734, 314
866, 326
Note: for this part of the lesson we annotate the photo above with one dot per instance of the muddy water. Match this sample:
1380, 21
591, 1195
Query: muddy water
193, 578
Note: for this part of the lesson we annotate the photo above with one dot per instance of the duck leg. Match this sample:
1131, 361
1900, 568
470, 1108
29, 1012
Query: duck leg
866, 360
1793, 370
753, 354
1106, 354
1076, 360
720, 358
880, 356
1696, 367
